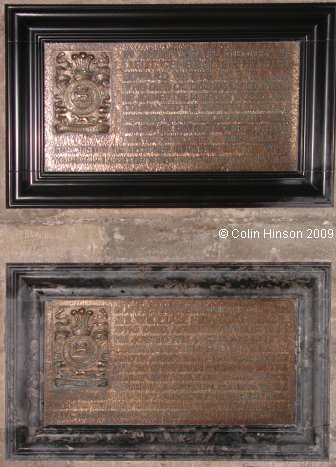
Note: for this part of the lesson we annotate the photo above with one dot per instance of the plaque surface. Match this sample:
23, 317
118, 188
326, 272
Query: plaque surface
170, 105
187, 106
170, 362
165, 361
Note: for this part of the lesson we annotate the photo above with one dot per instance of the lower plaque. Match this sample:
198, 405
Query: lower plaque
168, 361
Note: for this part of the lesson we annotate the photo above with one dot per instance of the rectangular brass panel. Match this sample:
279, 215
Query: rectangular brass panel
187, 106
170, 361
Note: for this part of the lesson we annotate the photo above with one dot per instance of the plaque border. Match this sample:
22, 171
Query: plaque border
28, 27
29, 286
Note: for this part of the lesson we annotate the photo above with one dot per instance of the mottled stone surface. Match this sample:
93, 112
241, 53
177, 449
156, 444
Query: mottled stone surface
123, 235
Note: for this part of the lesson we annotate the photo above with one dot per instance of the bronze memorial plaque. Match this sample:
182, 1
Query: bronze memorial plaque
171, 106
170, 361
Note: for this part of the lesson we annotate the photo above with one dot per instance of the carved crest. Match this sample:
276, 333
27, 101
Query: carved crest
80, 355
82, 98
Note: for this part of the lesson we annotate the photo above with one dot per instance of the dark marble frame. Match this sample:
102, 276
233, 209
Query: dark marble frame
30, 285
28, 27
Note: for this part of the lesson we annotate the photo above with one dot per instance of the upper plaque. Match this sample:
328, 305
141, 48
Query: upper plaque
170, 105
158, 107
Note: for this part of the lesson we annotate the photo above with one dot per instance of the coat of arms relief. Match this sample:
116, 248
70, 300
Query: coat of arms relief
82, 99
80, 349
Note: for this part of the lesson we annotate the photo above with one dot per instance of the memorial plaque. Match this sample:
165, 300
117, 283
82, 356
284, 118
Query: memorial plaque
170, 105
156, 107
168, 361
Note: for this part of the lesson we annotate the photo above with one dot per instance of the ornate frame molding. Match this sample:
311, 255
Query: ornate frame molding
30, 27
29, 286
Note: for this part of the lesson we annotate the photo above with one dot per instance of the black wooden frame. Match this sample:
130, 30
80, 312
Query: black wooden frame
29, 27
29, 286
